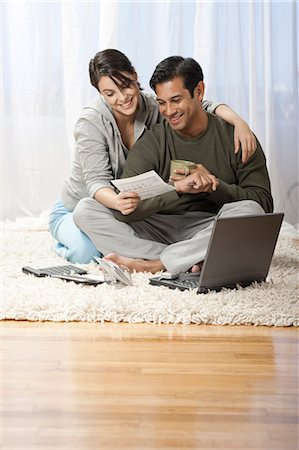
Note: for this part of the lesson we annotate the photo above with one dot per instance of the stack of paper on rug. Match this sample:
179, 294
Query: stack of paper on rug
24, 297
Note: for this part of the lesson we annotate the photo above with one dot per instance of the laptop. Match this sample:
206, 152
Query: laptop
240, 251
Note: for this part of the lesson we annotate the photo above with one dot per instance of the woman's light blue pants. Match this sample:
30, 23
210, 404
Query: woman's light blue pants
72, 244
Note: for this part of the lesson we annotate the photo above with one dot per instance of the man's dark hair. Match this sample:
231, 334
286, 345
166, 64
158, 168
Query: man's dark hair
177, 66
111, 63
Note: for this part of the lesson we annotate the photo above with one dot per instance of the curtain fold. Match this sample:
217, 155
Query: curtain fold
32, 122
248, 51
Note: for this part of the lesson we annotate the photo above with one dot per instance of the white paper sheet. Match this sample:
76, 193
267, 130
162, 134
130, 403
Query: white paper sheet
147, 185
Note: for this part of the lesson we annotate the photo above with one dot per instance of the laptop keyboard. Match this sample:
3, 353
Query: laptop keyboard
182, 282
185, 284
62, 270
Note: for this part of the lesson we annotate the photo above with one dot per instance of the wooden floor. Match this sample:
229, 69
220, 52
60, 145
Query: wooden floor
82, 386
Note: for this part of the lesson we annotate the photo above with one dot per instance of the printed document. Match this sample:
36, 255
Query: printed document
146, 185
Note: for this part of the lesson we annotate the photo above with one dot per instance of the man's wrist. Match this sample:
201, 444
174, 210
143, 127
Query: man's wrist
172, 183
175, 185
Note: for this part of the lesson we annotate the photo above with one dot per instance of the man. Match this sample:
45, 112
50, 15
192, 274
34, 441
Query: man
171, 231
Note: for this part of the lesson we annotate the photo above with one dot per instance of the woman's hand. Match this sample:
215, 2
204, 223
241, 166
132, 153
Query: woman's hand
126, 202
244, 136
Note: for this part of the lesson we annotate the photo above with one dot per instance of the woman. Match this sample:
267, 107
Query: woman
104, 134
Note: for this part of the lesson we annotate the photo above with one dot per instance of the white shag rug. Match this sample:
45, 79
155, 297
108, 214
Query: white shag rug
25, 297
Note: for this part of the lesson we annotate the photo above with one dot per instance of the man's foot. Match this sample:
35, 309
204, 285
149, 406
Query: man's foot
137, 265
197, 267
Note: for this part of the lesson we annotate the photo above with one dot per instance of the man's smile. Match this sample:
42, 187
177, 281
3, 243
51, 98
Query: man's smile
175, 118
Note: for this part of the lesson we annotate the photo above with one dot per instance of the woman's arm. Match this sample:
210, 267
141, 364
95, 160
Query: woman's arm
94, 158
107, 196
125, 202
243, 135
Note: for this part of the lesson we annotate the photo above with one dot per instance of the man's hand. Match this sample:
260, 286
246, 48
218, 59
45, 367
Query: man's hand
126, 202
200, 180
244, 136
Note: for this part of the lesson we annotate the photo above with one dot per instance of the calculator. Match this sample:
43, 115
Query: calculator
66, 272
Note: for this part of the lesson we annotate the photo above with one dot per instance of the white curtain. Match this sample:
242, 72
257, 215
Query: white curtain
248, 51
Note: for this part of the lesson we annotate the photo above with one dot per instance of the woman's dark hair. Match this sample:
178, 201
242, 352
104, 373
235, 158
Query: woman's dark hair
177, 66
111, 63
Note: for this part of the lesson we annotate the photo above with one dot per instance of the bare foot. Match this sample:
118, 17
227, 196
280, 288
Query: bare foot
197, 267
139, 265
